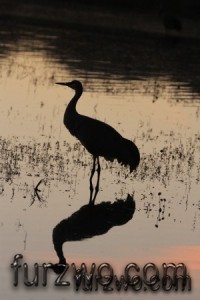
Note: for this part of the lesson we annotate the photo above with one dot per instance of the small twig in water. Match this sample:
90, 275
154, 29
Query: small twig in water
36, 192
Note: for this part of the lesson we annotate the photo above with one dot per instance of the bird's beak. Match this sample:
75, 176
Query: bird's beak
62, 83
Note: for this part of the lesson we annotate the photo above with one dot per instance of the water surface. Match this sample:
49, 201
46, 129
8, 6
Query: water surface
142, 84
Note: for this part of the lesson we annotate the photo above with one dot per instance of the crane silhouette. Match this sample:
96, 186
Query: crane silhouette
99, 138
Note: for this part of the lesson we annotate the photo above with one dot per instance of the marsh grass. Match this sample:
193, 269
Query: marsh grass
61, 165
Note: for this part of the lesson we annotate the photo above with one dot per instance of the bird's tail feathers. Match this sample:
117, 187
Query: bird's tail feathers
129, 155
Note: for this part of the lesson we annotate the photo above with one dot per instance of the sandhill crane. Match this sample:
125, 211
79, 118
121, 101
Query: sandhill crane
99, 138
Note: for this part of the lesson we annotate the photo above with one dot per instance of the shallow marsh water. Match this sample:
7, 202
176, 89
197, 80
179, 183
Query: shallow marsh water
141, 84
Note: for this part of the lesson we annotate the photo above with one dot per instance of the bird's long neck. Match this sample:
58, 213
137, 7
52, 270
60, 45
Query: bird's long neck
71, 115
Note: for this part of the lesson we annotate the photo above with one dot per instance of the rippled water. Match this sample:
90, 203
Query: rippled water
142, 84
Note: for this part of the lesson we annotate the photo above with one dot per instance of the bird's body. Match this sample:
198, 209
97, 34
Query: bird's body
99, 138
104, 140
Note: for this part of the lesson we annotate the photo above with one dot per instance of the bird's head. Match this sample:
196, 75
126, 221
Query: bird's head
75, 85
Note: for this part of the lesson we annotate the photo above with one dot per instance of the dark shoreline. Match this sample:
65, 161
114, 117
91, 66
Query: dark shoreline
99, 18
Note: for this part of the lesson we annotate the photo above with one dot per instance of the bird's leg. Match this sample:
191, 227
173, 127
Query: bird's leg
91, 176
98, 179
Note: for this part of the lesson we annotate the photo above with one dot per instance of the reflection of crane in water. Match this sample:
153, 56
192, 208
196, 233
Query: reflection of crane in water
90, 221
99, 138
